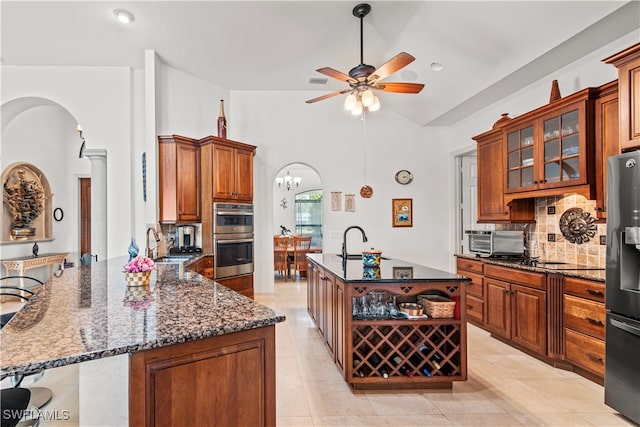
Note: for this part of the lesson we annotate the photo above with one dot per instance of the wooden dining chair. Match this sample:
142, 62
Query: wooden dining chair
301, 247
280, 249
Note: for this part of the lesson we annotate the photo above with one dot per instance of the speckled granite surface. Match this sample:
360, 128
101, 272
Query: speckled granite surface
89, 313
593, 274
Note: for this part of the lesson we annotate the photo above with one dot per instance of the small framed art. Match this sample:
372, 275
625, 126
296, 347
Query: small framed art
402, 212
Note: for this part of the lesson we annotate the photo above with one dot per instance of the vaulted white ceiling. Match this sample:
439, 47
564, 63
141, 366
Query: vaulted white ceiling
489, 49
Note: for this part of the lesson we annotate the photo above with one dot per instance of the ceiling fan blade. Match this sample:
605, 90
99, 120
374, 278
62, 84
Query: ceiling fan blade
327, 96
399, 61
328, 71
399, 87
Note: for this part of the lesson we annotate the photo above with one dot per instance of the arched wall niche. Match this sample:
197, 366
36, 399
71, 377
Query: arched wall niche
41, 134
26, 203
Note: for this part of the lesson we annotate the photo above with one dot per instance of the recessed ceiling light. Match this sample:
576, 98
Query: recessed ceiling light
123, 16
436, 66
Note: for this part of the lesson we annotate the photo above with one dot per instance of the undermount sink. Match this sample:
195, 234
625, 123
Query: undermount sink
172, 259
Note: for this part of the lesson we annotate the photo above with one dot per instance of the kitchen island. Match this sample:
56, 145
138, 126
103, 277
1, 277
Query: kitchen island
388, 352
196, 350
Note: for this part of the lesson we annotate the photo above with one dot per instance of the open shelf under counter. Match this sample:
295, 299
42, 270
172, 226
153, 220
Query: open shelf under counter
388, 353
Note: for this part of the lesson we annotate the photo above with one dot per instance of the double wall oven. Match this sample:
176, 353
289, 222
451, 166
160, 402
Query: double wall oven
232, 239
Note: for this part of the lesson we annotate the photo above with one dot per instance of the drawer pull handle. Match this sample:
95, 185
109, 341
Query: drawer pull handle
469, 306
595, 358
594, 321
594, 292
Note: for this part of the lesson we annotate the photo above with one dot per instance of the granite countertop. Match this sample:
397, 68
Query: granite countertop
89, 313
571, 270
390, 270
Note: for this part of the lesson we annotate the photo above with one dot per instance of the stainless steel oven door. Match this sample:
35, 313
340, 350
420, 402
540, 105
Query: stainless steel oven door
232, 218
233, 254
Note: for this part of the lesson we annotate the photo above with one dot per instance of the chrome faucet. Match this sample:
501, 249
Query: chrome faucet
345, 255
149, 250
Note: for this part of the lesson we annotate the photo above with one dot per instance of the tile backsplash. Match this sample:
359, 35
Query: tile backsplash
552, 245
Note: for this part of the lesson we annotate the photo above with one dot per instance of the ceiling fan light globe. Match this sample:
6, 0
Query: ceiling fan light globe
350, 102
367, 98
376, 104
357, 110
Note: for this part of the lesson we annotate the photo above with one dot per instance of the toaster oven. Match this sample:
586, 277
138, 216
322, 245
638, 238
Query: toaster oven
496, 243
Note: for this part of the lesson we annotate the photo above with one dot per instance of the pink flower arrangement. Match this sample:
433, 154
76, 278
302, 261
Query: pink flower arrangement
139, 264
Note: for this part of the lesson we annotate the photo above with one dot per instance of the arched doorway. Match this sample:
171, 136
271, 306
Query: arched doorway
297, 203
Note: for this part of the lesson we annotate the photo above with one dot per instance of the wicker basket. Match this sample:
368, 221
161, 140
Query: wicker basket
436, 306
142, 278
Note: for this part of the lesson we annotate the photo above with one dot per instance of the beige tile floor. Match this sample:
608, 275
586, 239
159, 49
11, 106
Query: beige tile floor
505, 386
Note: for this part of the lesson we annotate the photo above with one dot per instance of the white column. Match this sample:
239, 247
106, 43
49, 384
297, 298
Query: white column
98, 158
103, 388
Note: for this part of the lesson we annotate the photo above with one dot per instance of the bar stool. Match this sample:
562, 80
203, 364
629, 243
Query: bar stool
39, 396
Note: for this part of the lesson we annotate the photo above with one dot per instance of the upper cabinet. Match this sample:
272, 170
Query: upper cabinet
551, 149
607, 140
491, 203
232, 171
628, 64
179, 179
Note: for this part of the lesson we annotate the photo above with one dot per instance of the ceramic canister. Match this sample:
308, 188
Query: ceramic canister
371, 257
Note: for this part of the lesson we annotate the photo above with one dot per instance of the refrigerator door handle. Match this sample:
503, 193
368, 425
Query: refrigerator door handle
625, 327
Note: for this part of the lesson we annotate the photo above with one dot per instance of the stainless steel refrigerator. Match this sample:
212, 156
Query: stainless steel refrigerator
622, 364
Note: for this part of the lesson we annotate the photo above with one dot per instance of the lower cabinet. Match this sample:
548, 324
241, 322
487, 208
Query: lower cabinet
475, 289
241, 284
516, 307
584, 324
228, 380
204, 266
387, 353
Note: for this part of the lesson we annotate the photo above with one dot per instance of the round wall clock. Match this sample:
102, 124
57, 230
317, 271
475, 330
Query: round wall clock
404, 177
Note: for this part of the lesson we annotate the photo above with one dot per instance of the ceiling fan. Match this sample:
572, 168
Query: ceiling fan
363, 77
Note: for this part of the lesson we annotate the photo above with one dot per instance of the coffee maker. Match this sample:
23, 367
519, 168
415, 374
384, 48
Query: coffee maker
186, 239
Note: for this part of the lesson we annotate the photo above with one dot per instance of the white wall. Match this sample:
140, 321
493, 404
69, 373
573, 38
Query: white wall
323, 136
97, 98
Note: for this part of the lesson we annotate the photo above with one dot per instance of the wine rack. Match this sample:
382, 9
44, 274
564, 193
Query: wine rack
406, 353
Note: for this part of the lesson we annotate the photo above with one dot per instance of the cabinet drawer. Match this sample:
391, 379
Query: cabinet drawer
207, 261
584, 316
514, 275
470, 265
584, 288
475, 309
584, 351
474, 287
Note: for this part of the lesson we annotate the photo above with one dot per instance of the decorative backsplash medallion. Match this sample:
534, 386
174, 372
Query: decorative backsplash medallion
577, 226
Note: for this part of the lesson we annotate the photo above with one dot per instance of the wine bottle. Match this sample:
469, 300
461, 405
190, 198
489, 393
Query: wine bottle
376, 363
403, 368
222, 122
359, 372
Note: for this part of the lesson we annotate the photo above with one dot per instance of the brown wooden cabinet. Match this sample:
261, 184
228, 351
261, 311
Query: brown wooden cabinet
363, 349
607, 140
628, 64
179, 179
516, 307
204, 266
232, 171
241, 284
492, 207
475, 289
551, 150
224, 380
585, 324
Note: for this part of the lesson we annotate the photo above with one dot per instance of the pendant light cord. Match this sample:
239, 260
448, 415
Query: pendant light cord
364, 148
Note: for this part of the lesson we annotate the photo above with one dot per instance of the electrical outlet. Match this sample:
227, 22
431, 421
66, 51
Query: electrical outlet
551, 210
603, 239
551, 237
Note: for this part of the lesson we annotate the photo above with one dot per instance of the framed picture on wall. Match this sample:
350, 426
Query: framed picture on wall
402, 212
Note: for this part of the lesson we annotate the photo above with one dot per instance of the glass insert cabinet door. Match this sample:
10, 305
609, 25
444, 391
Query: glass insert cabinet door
561, 139
520, 158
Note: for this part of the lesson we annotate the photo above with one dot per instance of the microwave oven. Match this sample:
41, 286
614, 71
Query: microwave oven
496, 243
